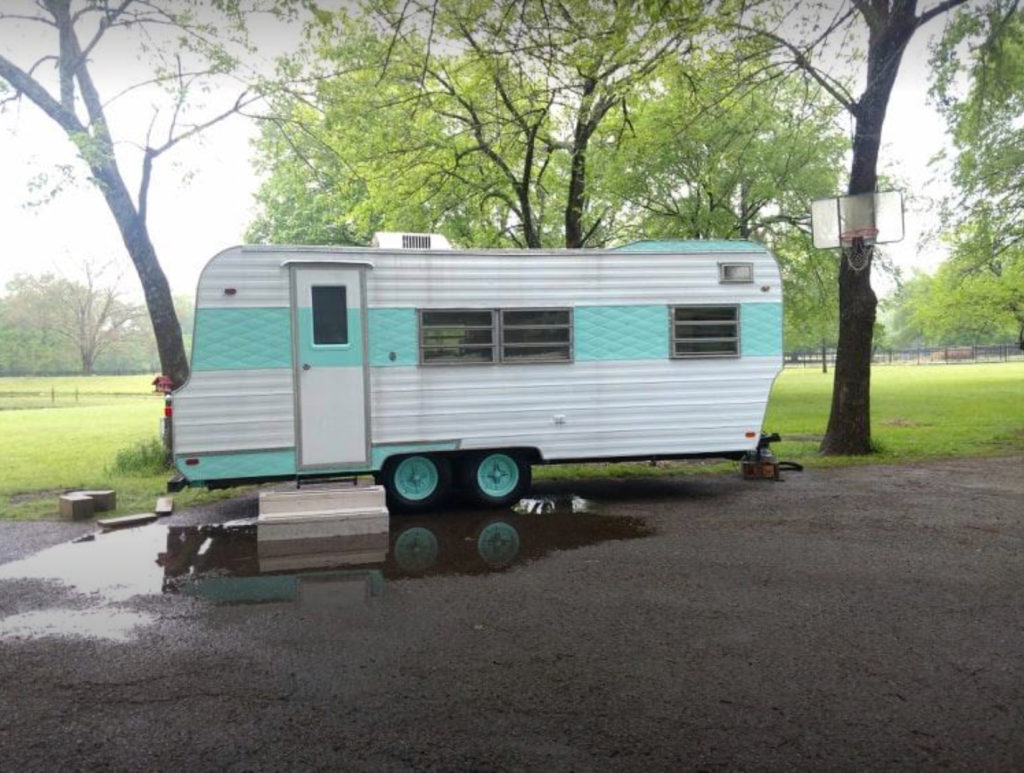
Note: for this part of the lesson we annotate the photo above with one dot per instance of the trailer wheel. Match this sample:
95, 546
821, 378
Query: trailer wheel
417, 482
496, 479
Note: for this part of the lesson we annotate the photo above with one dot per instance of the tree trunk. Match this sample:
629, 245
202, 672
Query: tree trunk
849, 423
576, 199
160, 304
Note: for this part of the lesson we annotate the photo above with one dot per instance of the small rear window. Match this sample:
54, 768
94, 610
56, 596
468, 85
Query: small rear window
330, 315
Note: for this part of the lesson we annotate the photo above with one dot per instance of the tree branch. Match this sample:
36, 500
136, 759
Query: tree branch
941, 8
25, 84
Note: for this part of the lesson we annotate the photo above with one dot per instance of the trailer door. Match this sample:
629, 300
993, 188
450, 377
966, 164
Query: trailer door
331, 367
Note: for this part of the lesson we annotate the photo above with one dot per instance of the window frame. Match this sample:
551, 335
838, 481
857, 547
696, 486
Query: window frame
312, 318
569, 325
725, 264
673, 340
493, 345
497, 345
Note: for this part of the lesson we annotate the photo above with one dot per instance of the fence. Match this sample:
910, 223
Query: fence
930, 355
56, 398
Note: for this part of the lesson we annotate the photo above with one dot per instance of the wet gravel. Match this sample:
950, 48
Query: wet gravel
858, 618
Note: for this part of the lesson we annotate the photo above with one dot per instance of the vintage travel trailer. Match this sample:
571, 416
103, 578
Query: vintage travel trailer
435, 368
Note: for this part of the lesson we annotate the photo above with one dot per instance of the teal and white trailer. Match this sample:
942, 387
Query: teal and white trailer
433, 368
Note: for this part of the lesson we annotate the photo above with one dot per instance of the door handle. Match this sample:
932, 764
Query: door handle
306, 366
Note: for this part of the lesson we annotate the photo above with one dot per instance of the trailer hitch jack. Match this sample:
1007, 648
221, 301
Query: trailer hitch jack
761, 464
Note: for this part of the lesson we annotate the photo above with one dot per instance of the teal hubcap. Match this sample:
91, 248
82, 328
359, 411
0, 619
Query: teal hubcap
498, 475
416, 478
416, 549
498, 543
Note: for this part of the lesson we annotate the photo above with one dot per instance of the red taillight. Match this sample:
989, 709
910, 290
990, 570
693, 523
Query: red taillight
191, 462
751, 434
168, 407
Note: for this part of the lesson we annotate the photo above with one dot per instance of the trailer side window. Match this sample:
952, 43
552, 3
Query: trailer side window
705, 331
456, 337
735, 273
536, 335
330, 315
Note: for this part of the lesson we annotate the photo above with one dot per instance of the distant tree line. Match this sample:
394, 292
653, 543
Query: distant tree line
52, 324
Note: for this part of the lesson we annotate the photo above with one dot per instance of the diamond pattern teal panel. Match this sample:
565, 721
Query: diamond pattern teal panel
687, 246
761, 329
242, 339
250, 464
393, 330
620, 333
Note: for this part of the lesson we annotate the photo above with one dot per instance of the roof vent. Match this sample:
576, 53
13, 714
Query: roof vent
391, 240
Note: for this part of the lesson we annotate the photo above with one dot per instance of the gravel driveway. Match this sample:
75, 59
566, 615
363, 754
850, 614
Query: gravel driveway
868, 617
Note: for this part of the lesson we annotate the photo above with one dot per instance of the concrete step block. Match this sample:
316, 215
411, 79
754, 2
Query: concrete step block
318, 500
164, 506
76, 506
126, 521
102, 499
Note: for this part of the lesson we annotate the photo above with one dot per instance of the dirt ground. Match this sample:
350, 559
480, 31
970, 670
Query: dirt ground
858, 618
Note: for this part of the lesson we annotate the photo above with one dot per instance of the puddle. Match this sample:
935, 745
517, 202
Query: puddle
227, 563
110, 624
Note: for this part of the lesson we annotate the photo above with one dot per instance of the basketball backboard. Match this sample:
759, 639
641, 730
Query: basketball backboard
874, 218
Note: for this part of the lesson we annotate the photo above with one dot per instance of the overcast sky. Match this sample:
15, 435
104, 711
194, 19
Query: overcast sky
201, 198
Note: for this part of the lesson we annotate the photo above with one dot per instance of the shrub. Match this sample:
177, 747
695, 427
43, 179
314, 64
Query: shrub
145, 457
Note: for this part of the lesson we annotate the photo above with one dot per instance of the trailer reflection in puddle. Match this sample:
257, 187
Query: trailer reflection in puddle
223, 562
226, 563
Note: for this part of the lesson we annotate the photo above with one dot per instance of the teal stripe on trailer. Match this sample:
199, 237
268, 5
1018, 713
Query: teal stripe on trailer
393, 330
761, 329
724, 245
257, 464
331, 355
620, 333
244, 464
242, 339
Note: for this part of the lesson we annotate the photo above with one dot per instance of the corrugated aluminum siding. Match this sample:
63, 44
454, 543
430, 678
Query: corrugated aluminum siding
611, 408
608, 408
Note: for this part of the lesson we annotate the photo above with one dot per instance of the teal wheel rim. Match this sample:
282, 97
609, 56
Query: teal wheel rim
416, 478
416, 549
498, 544
497, 475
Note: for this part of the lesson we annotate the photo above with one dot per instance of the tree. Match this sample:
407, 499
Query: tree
187, 50
87, 314
492, 113
726, 148
889, 26
983, 49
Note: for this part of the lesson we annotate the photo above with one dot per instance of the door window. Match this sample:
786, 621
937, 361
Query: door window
330, 315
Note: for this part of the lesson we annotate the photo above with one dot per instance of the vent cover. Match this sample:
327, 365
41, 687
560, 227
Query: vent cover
415, 241
395, 240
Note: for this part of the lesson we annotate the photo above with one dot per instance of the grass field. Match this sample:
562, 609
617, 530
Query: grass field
918, 413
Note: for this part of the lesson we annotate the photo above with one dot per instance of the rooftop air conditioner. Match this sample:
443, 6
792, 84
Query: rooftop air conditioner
393, 240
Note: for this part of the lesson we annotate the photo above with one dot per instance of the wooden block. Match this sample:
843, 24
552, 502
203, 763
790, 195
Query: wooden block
164, 506
76, 507
127, 520
102, 500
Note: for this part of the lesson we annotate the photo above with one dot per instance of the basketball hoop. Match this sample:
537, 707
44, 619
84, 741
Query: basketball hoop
856, 223
858, 237
856, 244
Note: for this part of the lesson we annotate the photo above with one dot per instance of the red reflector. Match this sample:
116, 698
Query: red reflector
751, 434
191, 462
168, 410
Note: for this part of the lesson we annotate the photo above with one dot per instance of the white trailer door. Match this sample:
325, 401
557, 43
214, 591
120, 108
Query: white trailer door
331, 367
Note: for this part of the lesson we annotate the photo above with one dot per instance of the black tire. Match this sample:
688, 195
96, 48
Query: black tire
400, 481
497, 461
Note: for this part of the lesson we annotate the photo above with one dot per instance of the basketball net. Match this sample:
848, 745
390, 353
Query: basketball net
857, 246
